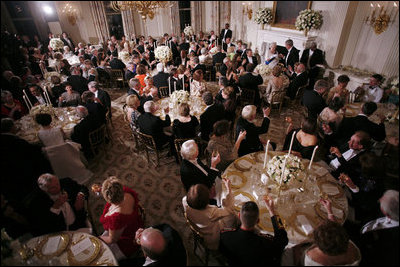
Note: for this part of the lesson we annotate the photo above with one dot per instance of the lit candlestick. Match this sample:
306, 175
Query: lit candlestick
312, 157
183, 82
27, 98
397, 10
26, 102
174, 85
266, 154
46, 95
169, 85
291, 143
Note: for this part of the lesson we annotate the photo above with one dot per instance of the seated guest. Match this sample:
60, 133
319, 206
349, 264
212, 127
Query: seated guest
305, 139
130, 71
95, 109
197, 85
79, 84
101, 96
249, 58
227, 98
112, 51
70, 97
65, 67
174, 82
230, 52
152, 125
361, 122
117, 64
58, 205
121, 218
209, 218
298, 81
313, 100
37, 96
278, 83
150, 65
161, 246
339, 90
197, 66
150, 92
379, 240
246, 246
182, 59
372, 91
219, 56
11, 107
185, 126
347, 158
227, 44
58, 88
221, 143
193, 171
140, 75
132, 102
204, 58
252, 142
251, 81
224, 67
49, 135
161, 78
213, 113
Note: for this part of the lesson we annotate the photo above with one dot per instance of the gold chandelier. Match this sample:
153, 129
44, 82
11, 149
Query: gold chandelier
145, 8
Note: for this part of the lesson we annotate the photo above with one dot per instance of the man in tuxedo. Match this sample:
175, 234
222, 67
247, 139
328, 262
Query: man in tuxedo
101, 96
174, 48
213, 113
225, 33
193, 171
313, 100
130, 71
46, 43
37, 96
58, 205
312, 57
300, 79
372, 91
79, 84
175, 82
197, 66
251, 81
95, 109
291, 56
67, 41
219, 56
112, 50
224, 67
161, 78
249, 59
116, 64
227, 44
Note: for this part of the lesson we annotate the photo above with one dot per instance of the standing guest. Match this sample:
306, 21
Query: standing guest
372, 91
69, 98
67, 41
133, 102
313, 100
311, 58
251, 81
339, 90
209, 218
245, 246
291, 56
271, 58
185, 126
220, 141
305, 139
213, 113
11, 107
49, 135
79, 84
225, 33
252, 143
101, 96
161, 78
121, 218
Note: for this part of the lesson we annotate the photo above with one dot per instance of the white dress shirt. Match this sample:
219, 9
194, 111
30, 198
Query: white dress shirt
287, 55
380, 223
373, 93
66, 209
348, 155
41, 100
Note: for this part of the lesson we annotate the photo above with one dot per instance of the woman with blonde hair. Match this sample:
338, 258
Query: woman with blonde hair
277, 83
121, 218
185, 126
133, 103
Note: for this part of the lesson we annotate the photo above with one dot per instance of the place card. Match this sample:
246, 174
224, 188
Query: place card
52, 245
264, 178
242, 198
330, 189
81, 246
305, 224
321, 171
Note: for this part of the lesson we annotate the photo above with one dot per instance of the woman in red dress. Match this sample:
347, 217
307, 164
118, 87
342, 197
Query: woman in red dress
121, 218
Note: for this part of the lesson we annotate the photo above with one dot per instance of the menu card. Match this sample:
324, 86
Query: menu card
81, 246
51, 245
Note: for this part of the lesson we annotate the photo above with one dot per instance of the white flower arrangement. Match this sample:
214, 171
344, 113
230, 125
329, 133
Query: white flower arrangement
213, 50
394, 85
309, 19
56, 44
188, 30
48, 75
124, 56
263, 69
41, 109
293, 168
179, 96
263, 16
163, 53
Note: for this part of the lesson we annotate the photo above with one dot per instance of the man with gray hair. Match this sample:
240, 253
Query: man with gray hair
193, 171
197, 66
161, 78
313, 99
300, 79
101, 96
219, 56
130, 71
379, 242
79, 84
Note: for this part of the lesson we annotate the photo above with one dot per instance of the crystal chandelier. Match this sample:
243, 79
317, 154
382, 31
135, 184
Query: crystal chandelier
145, 8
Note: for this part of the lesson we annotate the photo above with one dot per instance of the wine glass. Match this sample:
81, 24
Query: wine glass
96, 188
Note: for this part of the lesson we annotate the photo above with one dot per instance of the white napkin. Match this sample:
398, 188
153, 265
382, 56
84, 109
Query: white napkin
305, 224
51, 245
321, 171
244, 164
337, 212
81, 246
330, 189
235, 180
264, 178
242, 198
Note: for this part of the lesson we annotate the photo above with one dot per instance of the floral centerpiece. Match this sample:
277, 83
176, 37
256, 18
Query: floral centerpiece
179, 96
188, 30
124, 56
264, 71
42, 109
163, 53
213, 50
292, 170
308, 19
263, 16
48, 75
56, 44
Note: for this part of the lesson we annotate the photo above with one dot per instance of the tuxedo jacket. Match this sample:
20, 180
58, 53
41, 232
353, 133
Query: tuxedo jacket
350, 125
160, 79
297, 82
316, 58
252, 141
251, 82
350, 166
176, 84
153, 125
116, 63
292, 57
255, 62
81, 132
175, 51
223, 69
218, 58
72, 46
79, 83
104, 98
210, 116
199, 67
313, 102
227, 35
225, 46
191, 175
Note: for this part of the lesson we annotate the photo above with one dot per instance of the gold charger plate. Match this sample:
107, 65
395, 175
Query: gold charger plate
244, 159
265, 221
322, 213
93, 252
228, 175
321, 183
296, 226
61, 246
250, 197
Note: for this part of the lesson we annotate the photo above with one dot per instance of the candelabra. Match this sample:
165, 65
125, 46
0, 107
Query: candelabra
71, 13
247, 9
380, 17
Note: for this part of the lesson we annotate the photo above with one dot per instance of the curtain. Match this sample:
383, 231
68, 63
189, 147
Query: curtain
196, 15
128, 23
100, 20
175, 25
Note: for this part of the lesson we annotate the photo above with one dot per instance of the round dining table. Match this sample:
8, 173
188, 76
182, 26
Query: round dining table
67, 248
197, 107
298, 201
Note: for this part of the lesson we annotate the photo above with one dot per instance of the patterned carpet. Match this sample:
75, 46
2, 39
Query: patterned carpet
159, 188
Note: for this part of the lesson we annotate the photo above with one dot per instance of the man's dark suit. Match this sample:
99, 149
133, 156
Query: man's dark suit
114, 53
115, 63
184, 46
313, 102
178, 83
43, 221
191, 175
153, 125
316, 58
251, 82
34, 100
105, 99
129, 75
248, 248
79, 83
351, 166
223, 69
252, 141
175, 51
199, 67
218, 58
81, 133
72, 46
227, 35
225, 46
297, 82
210, 116
255, 62
98, 111
141, 99
350, 125
292, 57
160, 79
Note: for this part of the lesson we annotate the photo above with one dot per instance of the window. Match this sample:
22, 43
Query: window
184, 14
114, 20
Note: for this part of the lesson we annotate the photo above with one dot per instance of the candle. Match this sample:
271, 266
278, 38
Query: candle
26, 102
46, 96
183, 82
28, 98
372, 9
397, 10
312, 157
266, 154
174, 85
282, 174
169, 85
291, 143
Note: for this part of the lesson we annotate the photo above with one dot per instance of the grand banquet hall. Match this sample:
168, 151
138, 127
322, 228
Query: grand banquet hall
199, 133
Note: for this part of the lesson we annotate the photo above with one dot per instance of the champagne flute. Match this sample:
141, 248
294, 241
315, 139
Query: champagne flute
96, 188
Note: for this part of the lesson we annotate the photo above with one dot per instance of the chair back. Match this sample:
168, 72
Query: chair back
117, 76
218, 67
277, 98
178, 144
163, 91
300, 93
247, 97
97, 137
198, 241
147, 140
125, 110
207, 75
